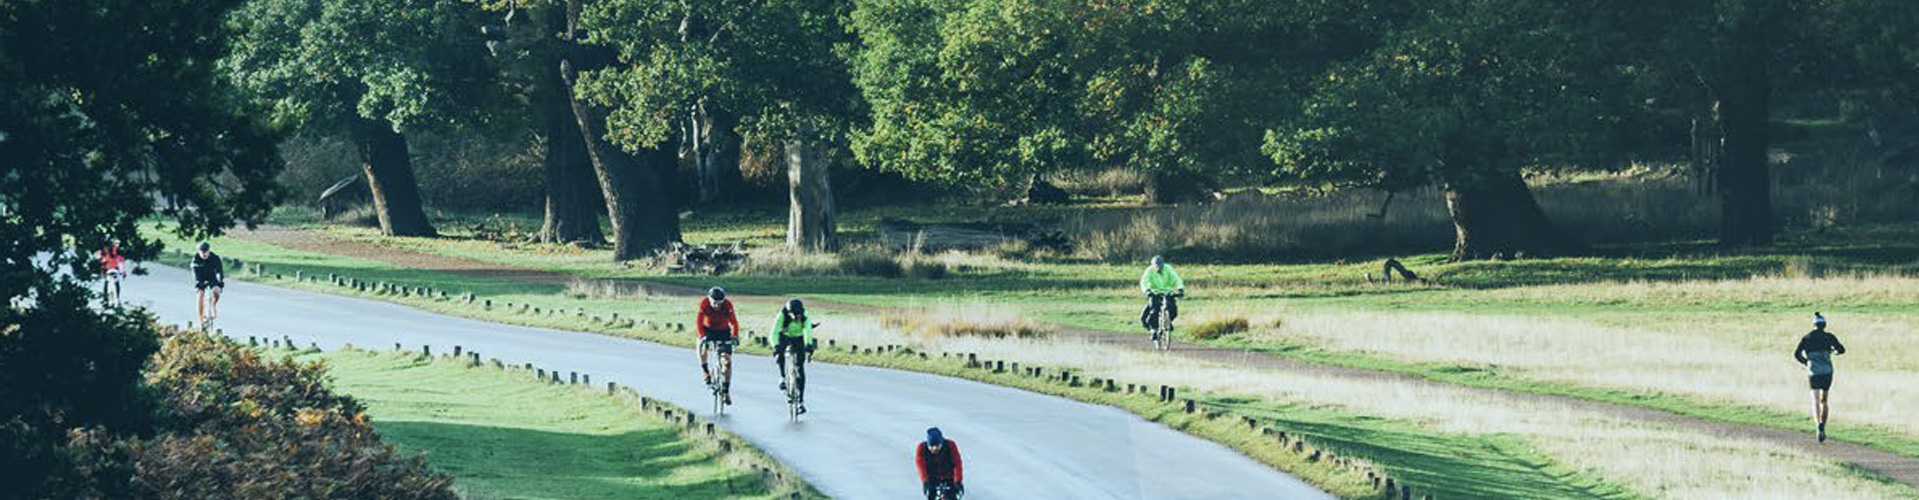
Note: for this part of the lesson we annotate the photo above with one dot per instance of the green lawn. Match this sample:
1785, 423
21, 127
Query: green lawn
504, 434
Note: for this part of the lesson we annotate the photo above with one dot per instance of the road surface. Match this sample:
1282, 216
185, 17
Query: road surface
855, 443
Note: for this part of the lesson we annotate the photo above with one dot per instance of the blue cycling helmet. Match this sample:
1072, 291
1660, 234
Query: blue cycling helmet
716, 293
933, 437
204, 246
1158, 261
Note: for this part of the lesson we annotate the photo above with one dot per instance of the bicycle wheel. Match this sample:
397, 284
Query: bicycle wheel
1165, 325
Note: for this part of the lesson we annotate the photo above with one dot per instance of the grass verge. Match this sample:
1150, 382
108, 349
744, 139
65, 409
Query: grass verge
505, 434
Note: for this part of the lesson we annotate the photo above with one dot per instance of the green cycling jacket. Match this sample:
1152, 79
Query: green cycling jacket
802, 328
1164, 280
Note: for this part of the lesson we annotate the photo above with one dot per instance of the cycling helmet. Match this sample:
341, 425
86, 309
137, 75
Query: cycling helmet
716, 293
1158, 261
795, 306
933, 437
204, 246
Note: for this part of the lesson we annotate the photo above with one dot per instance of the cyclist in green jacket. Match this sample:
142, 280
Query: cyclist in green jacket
1160, 282
794, 333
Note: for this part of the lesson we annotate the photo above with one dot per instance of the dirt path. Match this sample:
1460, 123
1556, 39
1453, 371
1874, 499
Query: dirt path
1899, 468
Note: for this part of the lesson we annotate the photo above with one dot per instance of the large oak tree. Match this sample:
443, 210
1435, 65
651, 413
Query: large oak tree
370, 69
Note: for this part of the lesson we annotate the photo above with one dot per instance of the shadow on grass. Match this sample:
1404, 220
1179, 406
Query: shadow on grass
1444, 466
502, 462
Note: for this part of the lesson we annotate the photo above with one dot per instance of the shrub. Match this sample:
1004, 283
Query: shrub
1213, 328
237, 425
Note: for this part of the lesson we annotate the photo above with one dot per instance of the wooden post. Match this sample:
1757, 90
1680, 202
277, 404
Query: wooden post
456, 350
586, 379
426, 350
999, 366
573, 377
1191, 406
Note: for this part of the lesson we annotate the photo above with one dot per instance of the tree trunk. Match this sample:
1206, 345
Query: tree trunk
810, 220
1168, 187
1496, 216
716, 153
633, 185
1744, 94
572, 207
389, 175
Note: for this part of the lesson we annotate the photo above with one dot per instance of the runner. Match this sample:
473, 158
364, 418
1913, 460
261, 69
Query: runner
1815, 351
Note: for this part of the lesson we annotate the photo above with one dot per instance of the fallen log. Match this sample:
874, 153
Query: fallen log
902, 235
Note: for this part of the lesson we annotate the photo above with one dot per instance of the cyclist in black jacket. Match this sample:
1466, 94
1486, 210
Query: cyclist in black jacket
1816, 350
209, 274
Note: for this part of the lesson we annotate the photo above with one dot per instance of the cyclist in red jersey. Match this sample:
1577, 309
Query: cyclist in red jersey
939, 463
718, 327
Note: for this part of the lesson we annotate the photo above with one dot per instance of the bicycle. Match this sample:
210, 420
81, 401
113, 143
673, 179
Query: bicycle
718, 385
110, 287
945, 490
795, 390
1163, 320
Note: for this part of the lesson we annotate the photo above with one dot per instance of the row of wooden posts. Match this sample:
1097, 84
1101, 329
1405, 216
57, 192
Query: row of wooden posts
1165, 394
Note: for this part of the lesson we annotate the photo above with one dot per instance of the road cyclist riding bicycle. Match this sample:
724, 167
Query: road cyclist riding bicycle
209, 275
942, 475
793, 331
719, 330
1163, 288
113, 271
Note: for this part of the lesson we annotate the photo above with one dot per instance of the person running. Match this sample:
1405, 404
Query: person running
1160, 282
719, 327
112, 265
794, 331
939, 463
1815, 350
209, 275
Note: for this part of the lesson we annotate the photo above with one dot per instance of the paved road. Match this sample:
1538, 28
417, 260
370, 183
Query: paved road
856, 442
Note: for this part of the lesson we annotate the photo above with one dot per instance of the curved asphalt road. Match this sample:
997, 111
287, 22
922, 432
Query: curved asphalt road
857, 440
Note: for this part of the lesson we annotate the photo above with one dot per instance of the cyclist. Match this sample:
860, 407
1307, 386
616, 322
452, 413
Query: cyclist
794, 331
113, 266
209, 274
1160, 282
718, 326
1815, 351
939, 463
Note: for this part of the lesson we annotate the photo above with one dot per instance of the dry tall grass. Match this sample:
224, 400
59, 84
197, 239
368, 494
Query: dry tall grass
974, 319
1679, 358
869, 262
1652, 459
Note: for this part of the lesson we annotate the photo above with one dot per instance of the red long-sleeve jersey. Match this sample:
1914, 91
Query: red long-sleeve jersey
942, 465
712, 317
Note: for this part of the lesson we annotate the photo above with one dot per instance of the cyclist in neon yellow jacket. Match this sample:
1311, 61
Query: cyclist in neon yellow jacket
793, 331
1160, 282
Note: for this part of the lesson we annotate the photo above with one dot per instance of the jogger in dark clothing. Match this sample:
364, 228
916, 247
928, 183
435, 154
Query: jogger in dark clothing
1815, 350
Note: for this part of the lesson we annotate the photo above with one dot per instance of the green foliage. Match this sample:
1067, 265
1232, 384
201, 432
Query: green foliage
105, 108
64, 367
324, 63
992, 91
1465, 89
774, 64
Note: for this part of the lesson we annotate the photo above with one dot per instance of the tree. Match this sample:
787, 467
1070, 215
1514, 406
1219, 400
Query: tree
993, 92
530, 42
105, 108
370, 68
1465, 96
774, 63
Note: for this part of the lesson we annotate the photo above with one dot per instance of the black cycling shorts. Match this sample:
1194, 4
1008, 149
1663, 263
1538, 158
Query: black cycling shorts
1821, 382
203, 285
